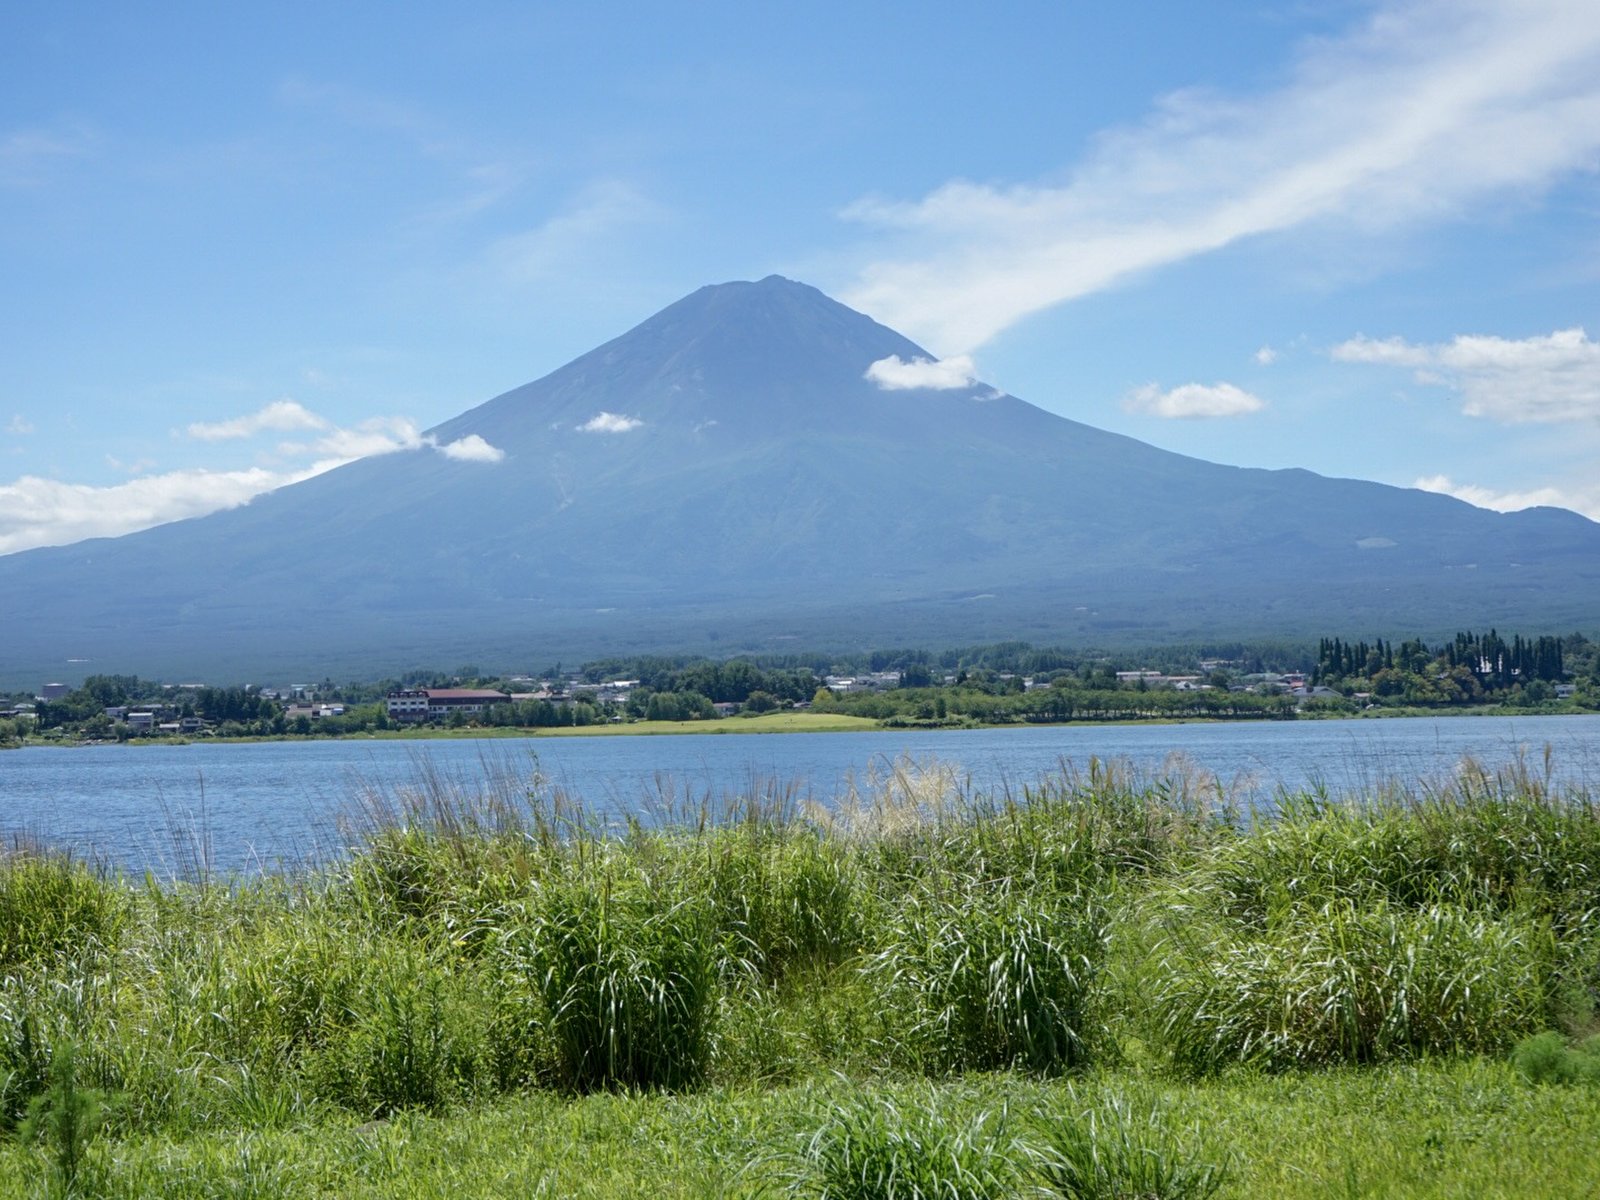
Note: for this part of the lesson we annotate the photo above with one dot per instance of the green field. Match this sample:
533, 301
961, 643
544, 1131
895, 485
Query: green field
1108, 986
1444, 1130
773, 722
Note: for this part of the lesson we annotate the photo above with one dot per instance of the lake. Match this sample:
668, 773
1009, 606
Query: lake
263, 805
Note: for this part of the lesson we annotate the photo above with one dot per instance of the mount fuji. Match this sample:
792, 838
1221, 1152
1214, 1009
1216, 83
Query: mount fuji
726, 477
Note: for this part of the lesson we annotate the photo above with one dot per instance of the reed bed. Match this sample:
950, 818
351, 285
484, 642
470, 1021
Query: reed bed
494, 937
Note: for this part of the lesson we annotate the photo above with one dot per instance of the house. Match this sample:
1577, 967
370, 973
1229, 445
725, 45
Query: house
434, 704
1303, 694
312, 711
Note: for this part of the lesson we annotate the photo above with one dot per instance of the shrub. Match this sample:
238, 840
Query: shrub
413, 1040
992, 977
1347, 984
628, 981
878, 1149
51, 903
1547, 1058
784, 900
270, 993
1478, 845
66, 1117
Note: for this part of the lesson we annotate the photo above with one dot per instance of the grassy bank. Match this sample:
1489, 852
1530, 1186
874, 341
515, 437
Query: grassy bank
772, 722
803, 722
1103, 982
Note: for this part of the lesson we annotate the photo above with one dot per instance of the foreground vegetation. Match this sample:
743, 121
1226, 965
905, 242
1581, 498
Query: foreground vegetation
1100, 987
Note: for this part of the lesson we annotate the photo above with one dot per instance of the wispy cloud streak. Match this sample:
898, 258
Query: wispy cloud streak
1425, 110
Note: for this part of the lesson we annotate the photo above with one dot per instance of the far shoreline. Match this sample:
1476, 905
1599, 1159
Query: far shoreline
795, 722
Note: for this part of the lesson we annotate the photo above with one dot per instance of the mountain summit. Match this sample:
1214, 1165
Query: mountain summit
729, 476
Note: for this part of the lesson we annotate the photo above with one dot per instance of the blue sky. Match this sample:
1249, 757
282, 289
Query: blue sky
239, 245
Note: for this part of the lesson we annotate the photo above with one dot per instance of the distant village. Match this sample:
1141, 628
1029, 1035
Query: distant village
1344, 681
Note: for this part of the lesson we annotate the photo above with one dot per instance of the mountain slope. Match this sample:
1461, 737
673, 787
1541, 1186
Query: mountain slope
725, 476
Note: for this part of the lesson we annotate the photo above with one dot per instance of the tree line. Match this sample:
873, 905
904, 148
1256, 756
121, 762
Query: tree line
1471, 667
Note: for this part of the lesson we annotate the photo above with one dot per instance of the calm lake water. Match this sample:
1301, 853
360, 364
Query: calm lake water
257, 806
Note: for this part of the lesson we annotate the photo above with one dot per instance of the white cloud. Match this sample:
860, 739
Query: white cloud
471, 448
1427, 108
1193, 400
280, 415
375, 435
1389, 352
609, 422
563, 241
47, 512
365, 439
19, 425
894, 374
1552, 378
1266, 356
1585, 500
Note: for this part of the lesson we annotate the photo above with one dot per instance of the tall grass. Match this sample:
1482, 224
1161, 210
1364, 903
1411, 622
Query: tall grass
993, 976
491, 935
898, 1144
51, 903
1125, 1149
1345, 983
627, 981
889, 1148
1341, 930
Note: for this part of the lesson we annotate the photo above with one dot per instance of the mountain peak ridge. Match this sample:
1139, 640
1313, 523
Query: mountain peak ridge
774, 348
725, 474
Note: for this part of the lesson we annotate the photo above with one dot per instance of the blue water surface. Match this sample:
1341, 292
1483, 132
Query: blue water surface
258, 806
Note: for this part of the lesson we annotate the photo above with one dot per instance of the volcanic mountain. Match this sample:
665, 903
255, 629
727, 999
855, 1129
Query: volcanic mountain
726, 477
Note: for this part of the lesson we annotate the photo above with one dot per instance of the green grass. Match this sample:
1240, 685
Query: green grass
1102, 986
773, 722
1432, 1131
